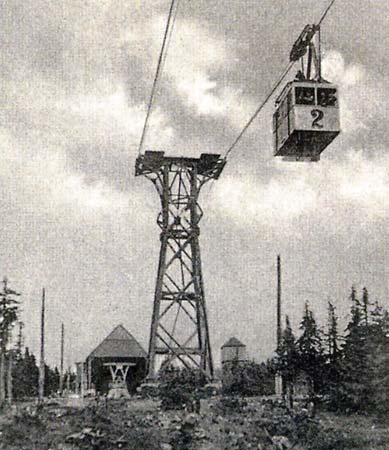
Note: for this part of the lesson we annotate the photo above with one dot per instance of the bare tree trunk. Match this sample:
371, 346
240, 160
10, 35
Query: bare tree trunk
68, 381
9, 378
2, 376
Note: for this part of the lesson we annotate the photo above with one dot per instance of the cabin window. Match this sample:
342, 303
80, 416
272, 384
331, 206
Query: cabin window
276, 116
283, 109
327, 97
289, 100
305, 95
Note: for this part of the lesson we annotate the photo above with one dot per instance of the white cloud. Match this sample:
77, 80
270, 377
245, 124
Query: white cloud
108, 115
279, 200
298, 190
194, 58
362, 95
99, 195
44, 182
365, 183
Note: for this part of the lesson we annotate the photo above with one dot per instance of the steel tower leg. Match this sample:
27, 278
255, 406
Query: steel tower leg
179, 325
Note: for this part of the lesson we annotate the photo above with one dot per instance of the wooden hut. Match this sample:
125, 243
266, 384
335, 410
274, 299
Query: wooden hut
117, 366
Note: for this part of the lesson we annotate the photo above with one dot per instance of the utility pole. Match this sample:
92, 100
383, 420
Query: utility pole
9, 371
278, 378
279, 331
61, 366
82, 379
42, 359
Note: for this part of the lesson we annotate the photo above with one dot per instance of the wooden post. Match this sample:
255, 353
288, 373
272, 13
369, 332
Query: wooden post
61, 366
42, 356
89, 376
3, 347
82, 379
279, 332
68, 381
278, 378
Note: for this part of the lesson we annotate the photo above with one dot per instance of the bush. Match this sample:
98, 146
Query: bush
179, 387
230, 404
247, 379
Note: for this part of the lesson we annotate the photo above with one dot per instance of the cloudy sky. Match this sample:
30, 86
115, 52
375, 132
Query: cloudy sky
76, 77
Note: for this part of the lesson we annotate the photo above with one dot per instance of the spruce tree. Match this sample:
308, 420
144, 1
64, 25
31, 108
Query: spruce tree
355, 386
333, 357
365, 306
8, 316
377, 360
332, 334
310, 351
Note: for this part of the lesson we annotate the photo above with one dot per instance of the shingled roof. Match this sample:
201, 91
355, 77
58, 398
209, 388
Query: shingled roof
233, 342
119, 344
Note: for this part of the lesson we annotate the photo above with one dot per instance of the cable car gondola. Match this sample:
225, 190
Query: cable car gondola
306, 119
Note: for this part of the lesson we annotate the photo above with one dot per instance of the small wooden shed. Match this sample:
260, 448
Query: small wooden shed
118, 363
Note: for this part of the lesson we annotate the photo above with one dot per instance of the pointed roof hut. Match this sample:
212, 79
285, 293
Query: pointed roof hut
117, 364
120, 343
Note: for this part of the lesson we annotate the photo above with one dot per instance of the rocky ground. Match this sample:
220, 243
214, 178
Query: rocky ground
222, 424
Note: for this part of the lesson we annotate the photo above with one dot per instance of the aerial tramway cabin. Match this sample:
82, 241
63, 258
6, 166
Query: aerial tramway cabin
306, 117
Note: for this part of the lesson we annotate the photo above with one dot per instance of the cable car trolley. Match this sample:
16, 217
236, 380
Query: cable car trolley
306, 119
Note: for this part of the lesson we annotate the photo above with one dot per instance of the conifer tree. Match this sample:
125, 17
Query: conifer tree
333, 359
377, 360
332, 333
8, 316
19, 342
356, 387
365, 306
354, 359
310, 351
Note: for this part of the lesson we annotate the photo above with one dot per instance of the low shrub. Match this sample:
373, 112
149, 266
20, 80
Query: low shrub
179, 387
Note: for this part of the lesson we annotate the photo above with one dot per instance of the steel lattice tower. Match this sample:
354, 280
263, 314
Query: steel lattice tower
179, 326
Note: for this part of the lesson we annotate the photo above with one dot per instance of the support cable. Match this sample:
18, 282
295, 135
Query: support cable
325, 12
259, 109
284, 73
161, 61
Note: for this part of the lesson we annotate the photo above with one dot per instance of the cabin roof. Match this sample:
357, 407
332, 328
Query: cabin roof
119, 344
233, 342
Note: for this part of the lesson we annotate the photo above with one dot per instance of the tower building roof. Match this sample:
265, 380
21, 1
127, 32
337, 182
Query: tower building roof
233, 342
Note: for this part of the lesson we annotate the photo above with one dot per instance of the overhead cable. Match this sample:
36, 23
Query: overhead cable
259, 109
326, 12
161, 60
